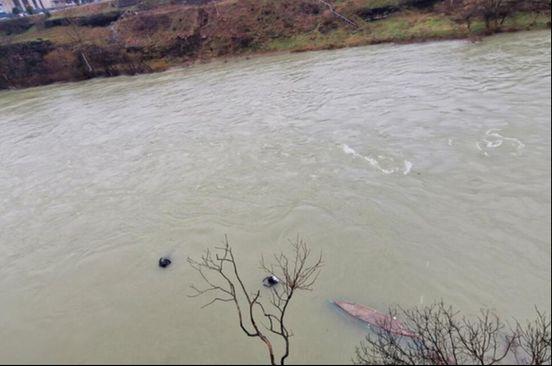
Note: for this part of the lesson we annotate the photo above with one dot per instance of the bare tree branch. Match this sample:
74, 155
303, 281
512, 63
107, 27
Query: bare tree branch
223, 281
443, 337
534, 343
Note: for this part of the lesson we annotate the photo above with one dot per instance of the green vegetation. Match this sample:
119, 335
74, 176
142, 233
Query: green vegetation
404, 28
401, 27
527, 21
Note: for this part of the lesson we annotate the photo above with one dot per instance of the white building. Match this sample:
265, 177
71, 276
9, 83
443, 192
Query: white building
3, 8
7, 6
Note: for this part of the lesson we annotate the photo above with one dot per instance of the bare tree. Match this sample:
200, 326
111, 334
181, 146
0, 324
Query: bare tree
258, 317
443, 337
533, 347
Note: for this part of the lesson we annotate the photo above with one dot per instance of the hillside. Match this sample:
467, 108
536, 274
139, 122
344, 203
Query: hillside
131, 37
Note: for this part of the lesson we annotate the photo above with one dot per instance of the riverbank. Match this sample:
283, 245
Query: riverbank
102, 40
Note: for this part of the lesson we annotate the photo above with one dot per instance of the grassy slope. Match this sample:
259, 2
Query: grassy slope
399, 27
403, 27
256, 26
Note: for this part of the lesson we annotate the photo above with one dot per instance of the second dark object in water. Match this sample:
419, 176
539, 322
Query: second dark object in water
164, 262
270, 281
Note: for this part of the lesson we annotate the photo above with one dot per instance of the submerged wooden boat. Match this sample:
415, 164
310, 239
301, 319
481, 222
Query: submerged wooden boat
375, 318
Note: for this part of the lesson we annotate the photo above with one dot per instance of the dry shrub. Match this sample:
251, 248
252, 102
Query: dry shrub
443, 336
61, 64
157, 28
248, 24
59, 59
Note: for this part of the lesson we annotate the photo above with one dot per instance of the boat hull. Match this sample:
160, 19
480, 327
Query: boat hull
375, 318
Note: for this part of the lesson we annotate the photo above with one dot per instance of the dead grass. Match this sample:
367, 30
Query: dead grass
63, 35
83, 10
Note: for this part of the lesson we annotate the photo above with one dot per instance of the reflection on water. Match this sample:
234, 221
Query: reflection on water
421, 171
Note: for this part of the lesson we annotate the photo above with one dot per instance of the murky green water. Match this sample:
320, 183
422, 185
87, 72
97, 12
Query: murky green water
421, 171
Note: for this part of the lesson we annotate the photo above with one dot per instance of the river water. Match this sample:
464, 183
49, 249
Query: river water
422, 172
